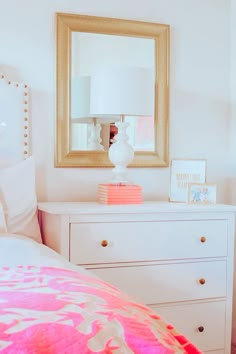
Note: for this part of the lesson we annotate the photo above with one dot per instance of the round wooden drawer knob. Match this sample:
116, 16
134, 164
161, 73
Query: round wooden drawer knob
104, 243
201, 329
203, 239
202, 281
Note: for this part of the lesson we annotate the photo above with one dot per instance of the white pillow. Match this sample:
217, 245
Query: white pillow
3, 226
18, 197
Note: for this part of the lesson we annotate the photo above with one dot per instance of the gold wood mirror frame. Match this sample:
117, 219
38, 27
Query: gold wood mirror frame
68, 23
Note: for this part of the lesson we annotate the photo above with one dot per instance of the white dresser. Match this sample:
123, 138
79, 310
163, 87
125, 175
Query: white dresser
176, 258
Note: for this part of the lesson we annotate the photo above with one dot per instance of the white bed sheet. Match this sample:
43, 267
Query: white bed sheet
18, 250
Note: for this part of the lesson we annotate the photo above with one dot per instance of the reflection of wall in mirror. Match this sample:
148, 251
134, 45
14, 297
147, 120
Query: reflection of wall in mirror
90, 50
79, 136
141, 133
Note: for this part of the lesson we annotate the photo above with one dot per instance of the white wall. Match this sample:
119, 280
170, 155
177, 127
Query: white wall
232, 160
232, 127
199, 86
202, 120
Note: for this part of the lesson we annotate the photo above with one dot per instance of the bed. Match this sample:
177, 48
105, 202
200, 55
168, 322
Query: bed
48, 305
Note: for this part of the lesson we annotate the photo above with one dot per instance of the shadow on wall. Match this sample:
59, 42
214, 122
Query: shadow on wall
230, 190
42, 137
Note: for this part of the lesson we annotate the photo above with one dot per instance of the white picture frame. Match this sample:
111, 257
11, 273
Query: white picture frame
202, 193
182, 173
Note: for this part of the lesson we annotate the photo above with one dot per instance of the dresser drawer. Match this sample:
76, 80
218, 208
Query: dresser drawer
146, 241
170, 282
203, 324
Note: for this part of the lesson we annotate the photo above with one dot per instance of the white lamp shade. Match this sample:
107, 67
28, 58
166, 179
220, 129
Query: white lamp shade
80, 104
122, 91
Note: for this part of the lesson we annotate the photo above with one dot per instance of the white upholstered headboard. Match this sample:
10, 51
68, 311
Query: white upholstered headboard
14, 121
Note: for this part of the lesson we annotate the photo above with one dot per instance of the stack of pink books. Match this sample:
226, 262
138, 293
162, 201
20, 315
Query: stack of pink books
119, 194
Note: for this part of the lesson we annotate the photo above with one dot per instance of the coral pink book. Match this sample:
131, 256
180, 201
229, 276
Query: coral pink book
119, 201
119, 194
119, 186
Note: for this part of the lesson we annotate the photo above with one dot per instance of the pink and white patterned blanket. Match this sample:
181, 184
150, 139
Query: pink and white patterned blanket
58, 311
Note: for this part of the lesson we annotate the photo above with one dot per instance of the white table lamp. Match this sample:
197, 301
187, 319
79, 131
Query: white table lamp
123, 91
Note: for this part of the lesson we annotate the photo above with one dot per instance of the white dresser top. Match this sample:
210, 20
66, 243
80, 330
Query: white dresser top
146, 207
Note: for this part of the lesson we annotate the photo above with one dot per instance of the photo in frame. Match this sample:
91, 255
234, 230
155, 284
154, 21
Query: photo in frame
182, 173
202, 193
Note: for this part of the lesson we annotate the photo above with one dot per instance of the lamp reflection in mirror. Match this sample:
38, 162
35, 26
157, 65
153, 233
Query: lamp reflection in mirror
123, 91
89, 137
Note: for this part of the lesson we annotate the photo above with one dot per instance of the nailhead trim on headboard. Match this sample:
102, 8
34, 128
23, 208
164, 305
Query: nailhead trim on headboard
25, 112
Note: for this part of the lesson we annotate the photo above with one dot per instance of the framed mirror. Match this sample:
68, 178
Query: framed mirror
85, 42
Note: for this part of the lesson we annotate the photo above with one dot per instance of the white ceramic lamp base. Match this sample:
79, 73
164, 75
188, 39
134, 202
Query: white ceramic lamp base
94, 141
121, 153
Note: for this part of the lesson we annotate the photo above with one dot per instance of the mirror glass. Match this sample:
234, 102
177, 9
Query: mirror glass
91, 50
85, 42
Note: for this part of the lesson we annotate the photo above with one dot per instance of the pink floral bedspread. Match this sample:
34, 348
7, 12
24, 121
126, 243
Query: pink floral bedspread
52, 310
